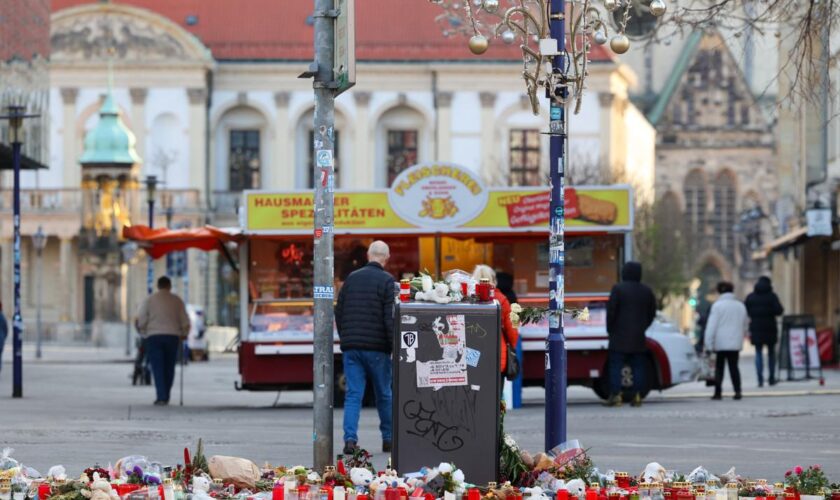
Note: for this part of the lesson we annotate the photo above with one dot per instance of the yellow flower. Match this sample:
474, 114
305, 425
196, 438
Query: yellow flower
516, 308
514, 318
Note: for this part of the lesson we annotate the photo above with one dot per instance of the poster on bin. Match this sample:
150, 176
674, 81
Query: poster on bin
447, 387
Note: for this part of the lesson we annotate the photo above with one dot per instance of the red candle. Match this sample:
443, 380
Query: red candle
278, 493
591, 495
405, 290
43, 491
473, 494
562, 494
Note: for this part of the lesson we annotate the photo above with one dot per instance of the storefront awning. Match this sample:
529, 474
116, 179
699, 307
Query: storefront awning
792, 238
159, 242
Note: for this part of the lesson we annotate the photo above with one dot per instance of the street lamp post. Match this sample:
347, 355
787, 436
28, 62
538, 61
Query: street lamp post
151, 186
16, 112
39, 241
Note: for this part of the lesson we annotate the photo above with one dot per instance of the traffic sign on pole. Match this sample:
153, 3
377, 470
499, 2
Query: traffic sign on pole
344, 67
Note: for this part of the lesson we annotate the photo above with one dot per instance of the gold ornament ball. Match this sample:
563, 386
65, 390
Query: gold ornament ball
479, 44
657, 7
611, 5
491, 6
620, 44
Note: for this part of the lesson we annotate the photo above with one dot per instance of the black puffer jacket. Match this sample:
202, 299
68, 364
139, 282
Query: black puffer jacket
763, 306
630, 311
364, 313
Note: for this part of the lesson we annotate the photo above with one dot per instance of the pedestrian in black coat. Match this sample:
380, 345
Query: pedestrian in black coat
364, 316
630, 312
763, 307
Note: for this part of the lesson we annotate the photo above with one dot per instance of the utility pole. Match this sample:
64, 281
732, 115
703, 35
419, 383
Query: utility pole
323, 293
555, 356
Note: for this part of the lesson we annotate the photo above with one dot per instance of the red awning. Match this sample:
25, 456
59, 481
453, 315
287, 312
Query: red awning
161, 241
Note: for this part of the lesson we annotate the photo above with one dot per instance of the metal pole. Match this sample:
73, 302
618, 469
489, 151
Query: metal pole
555, 358
17, 320
150, 275
128, 308
323, 292
39, 254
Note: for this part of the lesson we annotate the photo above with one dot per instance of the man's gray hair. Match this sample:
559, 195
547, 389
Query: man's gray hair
378, 250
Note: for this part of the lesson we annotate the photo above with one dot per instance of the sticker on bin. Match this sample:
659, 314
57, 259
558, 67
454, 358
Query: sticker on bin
322, 292
472, 357
409, 340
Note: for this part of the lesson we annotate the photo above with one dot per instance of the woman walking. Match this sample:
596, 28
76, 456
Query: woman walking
725, 332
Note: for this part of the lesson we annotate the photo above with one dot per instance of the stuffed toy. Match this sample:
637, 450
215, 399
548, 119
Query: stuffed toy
576, 488
200, 484
361, 477
653, 473
100, 489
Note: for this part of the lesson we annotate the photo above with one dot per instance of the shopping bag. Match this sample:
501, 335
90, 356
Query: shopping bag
707, 367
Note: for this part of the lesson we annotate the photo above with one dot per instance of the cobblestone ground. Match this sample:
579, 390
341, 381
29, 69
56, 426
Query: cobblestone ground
80, 408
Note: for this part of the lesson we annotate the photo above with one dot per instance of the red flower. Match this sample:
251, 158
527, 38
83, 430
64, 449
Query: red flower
788, 473
797, 470
816, 467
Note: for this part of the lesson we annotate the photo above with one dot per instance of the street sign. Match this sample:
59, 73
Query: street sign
344, 71
819, 222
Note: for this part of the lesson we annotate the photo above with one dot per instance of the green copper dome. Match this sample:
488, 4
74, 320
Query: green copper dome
110, 142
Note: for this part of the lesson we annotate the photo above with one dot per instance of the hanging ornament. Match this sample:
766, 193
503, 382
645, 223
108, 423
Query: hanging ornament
611, 5
657, 7
508, 37
477, 3
620, 43
491, 6
479, 44
600, 37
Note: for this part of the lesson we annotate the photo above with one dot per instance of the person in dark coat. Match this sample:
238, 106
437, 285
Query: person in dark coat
505, 285
630, 312
763, 307
364, 316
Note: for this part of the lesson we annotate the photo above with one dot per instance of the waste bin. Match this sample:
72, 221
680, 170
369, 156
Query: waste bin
447, 388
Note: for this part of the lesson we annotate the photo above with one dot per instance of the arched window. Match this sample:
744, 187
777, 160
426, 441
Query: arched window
240, 139
399, 142
669, 214
724, 213
694, 191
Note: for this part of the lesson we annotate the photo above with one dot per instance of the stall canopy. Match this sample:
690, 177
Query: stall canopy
159, 242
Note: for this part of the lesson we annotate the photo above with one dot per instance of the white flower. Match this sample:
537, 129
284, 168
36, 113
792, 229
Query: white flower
427, 283
516, 308
455, 286
584, 314
445, 468
510, 442
514, 318
458, 476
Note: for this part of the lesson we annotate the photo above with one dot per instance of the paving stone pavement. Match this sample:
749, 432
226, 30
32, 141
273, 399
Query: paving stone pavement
79, 407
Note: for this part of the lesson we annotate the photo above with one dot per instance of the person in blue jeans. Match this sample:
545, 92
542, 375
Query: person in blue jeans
364, 316
164, 324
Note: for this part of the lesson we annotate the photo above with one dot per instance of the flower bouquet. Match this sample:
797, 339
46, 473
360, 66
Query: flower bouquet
810, 483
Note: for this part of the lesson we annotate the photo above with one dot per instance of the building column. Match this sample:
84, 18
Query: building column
488, 123
197, 132
67, 280
72, 174
281, 174
444, 126
362, 172
607, 145
138, 119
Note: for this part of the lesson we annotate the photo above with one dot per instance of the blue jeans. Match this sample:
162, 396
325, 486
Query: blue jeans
162, 353
360, 366
637, 364
771, 361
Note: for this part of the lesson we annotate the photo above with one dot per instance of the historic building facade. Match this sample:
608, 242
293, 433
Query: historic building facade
213, 98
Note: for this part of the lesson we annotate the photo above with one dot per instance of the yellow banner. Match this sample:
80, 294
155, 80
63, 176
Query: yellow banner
586, 208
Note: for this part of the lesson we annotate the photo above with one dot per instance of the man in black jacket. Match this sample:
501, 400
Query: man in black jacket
763, 307
630, 311
364, 316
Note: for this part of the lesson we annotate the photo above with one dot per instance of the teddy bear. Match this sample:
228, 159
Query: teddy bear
361, 477
576, 488
200, 484
653, 473
100, 489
